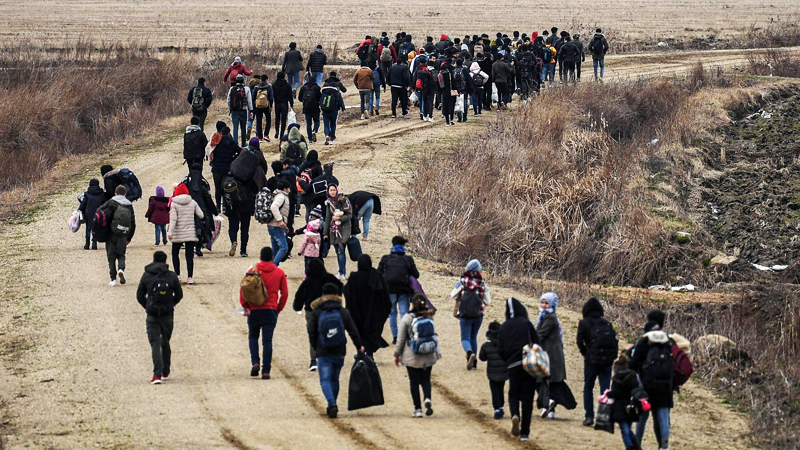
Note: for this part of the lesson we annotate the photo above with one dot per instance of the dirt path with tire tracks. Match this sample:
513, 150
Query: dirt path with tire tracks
76, 363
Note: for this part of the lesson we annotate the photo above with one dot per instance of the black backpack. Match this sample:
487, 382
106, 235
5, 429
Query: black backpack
238, 100
478, 79
160, 295
128, 179
363, 52
192, 145
658, 368
231, 193
294, 151
597, 47
458, 80
603, 343
327, 101
405, 49
397, 272
469, 304
198, 100
309, 99
244, 166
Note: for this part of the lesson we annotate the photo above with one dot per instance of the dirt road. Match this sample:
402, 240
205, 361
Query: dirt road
76, 363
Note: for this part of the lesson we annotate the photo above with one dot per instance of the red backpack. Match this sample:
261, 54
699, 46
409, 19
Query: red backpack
682, 366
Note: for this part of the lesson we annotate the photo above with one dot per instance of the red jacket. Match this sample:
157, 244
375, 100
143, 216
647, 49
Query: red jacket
234, 70
158, 211
274, 281
394, 53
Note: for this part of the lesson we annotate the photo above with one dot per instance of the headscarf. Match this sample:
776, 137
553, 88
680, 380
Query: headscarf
328, 192
552, 302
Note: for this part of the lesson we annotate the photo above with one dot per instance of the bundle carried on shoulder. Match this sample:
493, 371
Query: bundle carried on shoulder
535, 361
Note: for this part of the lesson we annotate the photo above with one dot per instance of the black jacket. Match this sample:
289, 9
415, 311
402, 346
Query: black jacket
292, 61
602, 45
622, 386
92, 199
358, 198
334, 81
516, 332
207, 96
328, 302
150, 271
592, 313
313, 106
502, 72
569, 52
282, 91
399, 76
317, 61
412, 271
194, 144
496, 367
486, 67
311, 288
312, 162
367, 296
224, 153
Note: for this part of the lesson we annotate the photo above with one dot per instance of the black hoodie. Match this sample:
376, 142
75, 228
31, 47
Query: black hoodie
592, 312
282, 91
516, 332
150, 271
312, 162
92, 199
311, 288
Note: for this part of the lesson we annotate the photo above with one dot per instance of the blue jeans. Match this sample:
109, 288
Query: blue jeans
261, 321
627, 434
277, 237
590, 373
548, 69
375, 95
161, 231
309, 128
329, 368
318, 76
366, 212
239, 120
341, 258
469, 333
660, 426
476, 100
602, 64
329, 123
294, 79
399, 302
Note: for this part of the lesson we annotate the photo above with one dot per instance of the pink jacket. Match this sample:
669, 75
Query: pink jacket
309, 247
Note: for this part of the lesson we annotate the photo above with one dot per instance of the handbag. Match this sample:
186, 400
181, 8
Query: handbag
535, 360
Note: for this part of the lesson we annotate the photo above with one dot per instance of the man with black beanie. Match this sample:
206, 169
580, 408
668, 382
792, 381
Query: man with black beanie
200, 97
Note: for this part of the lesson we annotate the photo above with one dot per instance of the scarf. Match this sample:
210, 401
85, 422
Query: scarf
545, 311
398, 249
473, 281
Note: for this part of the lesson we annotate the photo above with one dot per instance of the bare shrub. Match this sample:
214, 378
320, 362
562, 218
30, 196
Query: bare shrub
777, 62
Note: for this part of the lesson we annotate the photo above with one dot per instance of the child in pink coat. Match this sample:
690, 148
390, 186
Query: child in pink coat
309, 247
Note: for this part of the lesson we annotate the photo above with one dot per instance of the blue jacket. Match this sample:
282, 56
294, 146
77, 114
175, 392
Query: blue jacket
335, 84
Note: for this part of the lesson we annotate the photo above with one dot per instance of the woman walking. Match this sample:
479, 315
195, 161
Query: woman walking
471, 294
182, 230
554, 390
409, 352
367, 298
338, 213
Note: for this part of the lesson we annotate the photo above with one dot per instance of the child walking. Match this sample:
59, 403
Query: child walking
158, 214
309, 246
625, 385
496, 369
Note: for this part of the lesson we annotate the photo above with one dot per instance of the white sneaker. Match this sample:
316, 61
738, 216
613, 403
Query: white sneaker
428, 407
552, 415
121, 276
417, 414
342, 277
113, 283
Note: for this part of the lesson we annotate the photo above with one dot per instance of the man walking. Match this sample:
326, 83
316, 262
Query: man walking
122, 228
582, 56
240, 104
200, 97
326, 327
598, 344
277, 228
262, 102
262, 319
396, 268
363, 81
310, 96
158, 293
316, 64
399, 80
194, 143
331, 103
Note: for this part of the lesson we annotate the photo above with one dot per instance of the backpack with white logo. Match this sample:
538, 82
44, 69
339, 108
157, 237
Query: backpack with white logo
469, 304
160, 295
331, 328
423, 336
121, 221
197, 100
264, 200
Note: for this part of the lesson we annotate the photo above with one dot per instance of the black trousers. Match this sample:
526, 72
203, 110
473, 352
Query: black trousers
218, 189
401, 95
235, 221
521, 389
419, 378
578, 70
569, 70
202, 116
116, 246
498, 390
281, 113
159, 332
176, 257
448, 105
265, 114
502, 93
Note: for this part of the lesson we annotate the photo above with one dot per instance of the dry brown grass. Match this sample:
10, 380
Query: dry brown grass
775, 62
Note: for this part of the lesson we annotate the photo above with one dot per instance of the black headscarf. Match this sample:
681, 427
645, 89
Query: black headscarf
367, 298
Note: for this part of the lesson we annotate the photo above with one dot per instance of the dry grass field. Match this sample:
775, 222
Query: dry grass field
212, 22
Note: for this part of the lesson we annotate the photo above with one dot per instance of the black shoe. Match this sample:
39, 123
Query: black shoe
265, 376
313, 366
86, 246
588, 422
333, 411
94, 245
394, 340
428, 408
254, 370
199, 253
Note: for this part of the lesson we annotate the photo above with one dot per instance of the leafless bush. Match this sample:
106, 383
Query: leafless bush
777, 62
781, 32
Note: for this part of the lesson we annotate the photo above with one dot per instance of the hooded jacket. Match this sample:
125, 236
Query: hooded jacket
364, 78
592, 313
208, 97
282, 91
623, 384
550, 341
224, 153
399, 76
367, 296
311, 107
312, 162
296, 137
158, 210
234, 70
150, 271
496, 367
110, 180
275, 284
181, 217
358, 198
119, 201
475, 69
403, 347
310, 245
661, 398
292, 61
602, 39
569, 52
92, 199
311, 288
515, 333
264, 85
324, 303
317, 61
502, 71
248, 98
194, 143
412, 270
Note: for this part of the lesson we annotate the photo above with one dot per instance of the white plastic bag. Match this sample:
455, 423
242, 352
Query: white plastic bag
459, 104
74, 221
291, 117
414, 98
494, 93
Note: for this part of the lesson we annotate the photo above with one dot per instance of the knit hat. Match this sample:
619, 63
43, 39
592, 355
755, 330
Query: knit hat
94, 182
651, 326
254, 142
181, 189
551, 298
313, 226
316, 212
104, 169
239, 79
237, 60
474, 266
621, 363
159, 191
443, 37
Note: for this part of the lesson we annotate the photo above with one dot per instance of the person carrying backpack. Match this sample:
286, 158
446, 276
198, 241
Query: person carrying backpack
569, 53
234, 70
479, 80
425, 86
262, 318
397, 267
200, 98
292, 65
597, 342
311, 289
284, 99
496, 369
224, 153
331, 102
599, 47
399, 79
158, 292
471, 294
277, 227
363, 51
121, 231
240, 104
502, 71
551, 337
110, 180
194, 143
326, 333
92, 199
651, 358
629, 400
417, 349
295, 147
516, 333
548, 62
263, 98
310, 95
316, 64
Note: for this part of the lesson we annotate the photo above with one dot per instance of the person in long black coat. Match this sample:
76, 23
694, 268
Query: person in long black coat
367, 298
200, 191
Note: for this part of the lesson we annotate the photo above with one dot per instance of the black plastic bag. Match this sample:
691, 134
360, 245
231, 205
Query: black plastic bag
366, 389
603, 420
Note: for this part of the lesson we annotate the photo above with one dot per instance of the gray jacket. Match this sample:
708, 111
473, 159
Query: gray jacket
403, 348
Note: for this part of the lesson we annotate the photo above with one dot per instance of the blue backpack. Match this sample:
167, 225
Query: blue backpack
331, 329
423, 336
